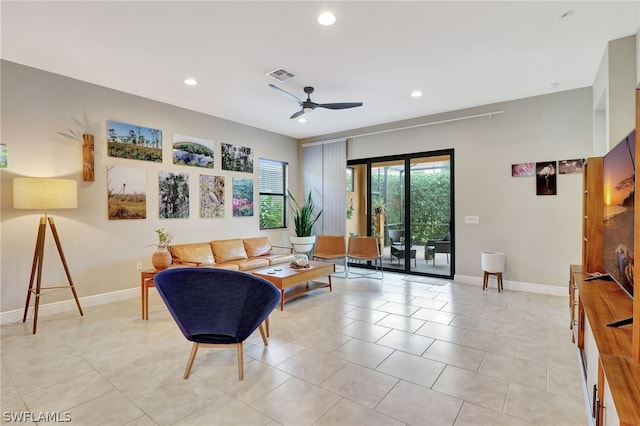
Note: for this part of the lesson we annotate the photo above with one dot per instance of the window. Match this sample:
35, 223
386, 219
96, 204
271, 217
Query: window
273, 188
349, 179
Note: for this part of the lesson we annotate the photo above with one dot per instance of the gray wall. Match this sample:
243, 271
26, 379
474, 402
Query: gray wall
540, 235
102, 254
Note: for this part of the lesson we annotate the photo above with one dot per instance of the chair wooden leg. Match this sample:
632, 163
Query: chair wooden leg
240, 362
499, 274
264, 336
266, 326
192, 357
485, 280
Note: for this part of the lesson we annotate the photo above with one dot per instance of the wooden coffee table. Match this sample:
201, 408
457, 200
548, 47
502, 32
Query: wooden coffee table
283, 276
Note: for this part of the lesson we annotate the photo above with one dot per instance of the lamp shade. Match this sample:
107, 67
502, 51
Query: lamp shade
44, 193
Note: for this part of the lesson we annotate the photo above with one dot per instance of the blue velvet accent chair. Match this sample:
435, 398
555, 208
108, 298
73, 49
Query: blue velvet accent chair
217, 307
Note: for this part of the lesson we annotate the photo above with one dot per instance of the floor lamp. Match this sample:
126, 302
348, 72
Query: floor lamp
45, 194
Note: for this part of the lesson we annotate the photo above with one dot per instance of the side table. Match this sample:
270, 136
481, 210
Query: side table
146, 281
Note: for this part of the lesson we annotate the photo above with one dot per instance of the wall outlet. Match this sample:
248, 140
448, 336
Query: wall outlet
139, 266
472, 219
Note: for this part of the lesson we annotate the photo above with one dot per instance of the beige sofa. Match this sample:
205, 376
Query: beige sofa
240, 254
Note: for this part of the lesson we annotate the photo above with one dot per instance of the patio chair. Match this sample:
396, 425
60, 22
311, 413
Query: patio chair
365, 249
432, 247
331, 248
217, 307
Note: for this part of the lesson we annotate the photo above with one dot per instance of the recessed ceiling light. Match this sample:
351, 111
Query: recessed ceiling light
552, 86
190, 82
326, 18
302, 120
416, 94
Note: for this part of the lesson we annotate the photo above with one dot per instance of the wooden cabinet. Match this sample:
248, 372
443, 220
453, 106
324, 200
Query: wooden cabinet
611, 376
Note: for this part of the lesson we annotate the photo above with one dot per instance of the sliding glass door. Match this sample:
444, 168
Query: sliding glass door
408, 207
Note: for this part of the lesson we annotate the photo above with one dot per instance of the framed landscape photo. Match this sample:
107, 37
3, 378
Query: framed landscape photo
173, 195
237, 158
211, 196
126, 193
192, 151
134, 142
242, 197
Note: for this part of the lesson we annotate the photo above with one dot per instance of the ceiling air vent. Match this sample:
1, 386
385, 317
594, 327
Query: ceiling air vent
281, 74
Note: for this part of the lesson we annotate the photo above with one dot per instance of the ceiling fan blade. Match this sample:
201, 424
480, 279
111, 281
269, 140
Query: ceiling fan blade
297, 114
340, 105
287, 94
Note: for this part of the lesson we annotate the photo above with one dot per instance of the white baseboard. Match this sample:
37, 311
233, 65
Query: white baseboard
67, 305
516, 285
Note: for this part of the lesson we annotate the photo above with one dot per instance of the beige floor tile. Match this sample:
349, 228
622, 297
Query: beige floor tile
428, 302
296, 402
325, 340
68, 393
348, 413
259, 379
562, 357
434, 316
442, 332
313, 366
412, 368
406, 342
359, 384
175, 400
515, 331
225, 411
474, 415
457, 355
364, 331
366, 315
474, 323
543, 408
488, 392
416, 405
400, 322
398, 308
112, 408
363, 353
528, 373
278, 350
491, 343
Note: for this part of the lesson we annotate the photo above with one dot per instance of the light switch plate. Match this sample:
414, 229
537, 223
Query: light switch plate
472, 220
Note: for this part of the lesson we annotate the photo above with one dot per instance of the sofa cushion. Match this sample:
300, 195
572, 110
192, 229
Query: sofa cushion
226, 250
257, 246
253, 263
198, 254
276, 259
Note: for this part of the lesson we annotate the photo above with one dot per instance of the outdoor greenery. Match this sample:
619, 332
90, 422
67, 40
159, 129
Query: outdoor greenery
270, 212
430, 203
303, 215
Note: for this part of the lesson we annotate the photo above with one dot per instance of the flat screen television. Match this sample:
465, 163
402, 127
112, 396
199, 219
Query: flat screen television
619, 216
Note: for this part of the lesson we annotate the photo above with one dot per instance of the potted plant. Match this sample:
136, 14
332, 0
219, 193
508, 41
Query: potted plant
303, 221
161, 259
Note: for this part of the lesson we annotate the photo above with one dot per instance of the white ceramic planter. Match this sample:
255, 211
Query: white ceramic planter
303, 244
493, 262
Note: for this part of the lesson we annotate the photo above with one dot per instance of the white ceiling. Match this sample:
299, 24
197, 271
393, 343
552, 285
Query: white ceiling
459, 54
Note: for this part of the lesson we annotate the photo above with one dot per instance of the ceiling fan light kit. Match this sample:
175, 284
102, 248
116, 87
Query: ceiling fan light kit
309, 105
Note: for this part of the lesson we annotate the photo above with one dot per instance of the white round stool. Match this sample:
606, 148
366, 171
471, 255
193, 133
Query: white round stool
492, 264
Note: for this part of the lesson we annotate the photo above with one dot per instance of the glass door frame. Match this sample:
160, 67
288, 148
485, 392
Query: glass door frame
406, 160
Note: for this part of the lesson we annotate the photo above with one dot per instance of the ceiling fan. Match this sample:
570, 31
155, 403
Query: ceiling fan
309, 105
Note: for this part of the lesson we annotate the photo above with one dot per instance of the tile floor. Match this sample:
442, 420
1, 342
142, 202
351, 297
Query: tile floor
404, 351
